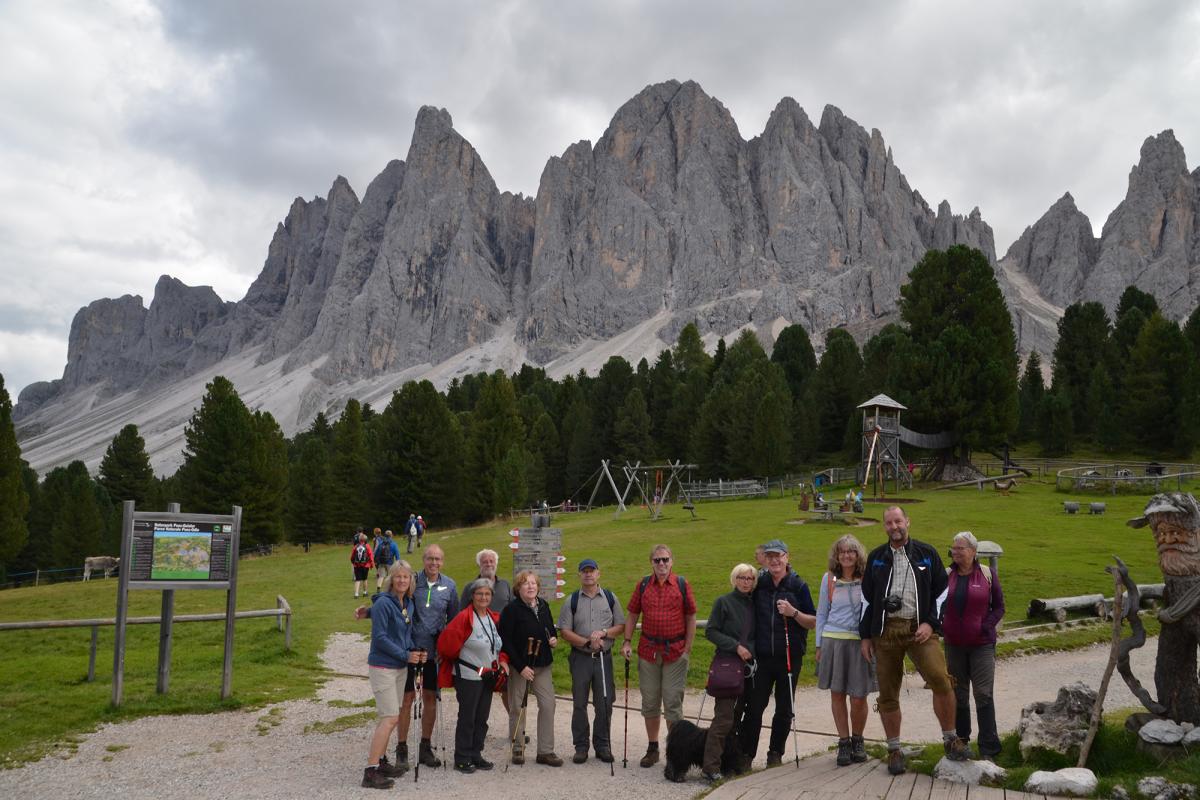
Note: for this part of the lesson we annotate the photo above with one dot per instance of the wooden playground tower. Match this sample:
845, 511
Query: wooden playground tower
881, 434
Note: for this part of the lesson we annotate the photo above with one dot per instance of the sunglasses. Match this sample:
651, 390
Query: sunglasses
661, 560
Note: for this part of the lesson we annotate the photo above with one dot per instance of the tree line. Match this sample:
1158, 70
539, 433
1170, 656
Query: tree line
494, 441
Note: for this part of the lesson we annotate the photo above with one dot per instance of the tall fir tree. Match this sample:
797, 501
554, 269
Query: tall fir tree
309, 489
1030, 392
1083, 335
14, 500
78, 527
837, 388
579, 447
350, 472
218, 454
1056, 423
631, 430
1156, 397
265, 495
496, 428
793, 352
125, 470
547, 460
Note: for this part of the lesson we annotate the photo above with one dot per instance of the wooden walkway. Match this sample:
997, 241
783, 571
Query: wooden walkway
820, 778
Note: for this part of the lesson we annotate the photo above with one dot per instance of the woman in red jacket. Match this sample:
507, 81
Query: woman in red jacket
973, 608
472, 661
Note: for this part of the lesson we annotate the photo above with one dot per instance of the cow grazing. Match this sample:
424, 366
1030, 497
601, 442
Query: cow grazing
105, 563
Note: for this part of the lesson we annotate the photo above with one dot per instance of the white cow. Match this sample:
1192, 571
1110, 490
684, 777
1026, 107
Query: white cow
106, 563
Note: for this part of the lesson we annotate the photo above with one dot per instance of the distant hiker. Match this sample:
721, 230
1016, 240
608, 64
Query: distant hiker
376, 541
410, 532
362, 560
386, 554
420, 530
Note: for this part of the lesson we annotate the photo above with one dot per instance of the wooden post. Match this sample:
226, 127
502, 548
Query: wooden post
165, 629
231, 605
1098, 707
37, 576
92, 656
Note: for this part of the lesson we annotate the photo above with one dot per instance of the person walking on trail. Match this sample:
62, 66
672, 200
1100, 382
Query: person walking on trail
973, 608
841, 669
590, 620
783, 615
731, 630
410, 532
437, 603
904, 578
386, 554
420, 531
380, 569
361, 559
391, 657
668, 607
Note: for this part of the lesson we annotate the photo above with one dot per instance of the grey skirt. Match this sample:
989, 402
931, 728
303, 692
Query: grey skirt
842, 668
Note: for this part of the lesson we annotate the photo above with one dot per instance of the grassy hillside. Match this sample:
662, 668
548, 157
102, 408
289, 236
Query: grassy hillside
46, 699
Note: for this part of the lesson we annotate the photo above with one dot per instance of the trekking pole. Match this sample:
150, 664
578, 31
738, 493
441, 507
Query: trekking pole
700, 713
418, 714
517, 730
441, 729
625, 754
787, 646
607, 708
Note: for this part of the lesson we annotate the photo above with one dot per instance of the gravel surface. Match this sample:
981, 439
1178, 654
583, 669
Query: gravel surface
267, 753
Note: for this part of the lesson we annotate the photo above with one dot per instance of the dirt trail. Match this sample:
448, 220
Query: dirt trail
267, 753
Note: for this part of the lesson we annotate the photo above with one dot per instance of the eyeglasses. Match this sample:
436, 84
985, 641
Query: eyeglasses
661, 560
745, 577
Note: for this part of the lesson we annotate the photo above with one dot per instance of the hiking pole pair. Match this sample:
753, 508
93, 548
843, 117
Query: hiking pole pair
418, 714
607, 708
787, 646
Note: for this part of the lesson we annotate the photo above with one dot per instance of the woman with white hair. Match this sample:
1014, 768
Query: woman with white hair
731, 629
973, 607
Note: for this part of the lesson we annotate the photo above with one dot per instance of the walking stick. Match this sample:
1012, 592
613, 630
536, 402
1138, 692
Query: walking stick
531, 650
418, 713
625, 754
607, 708
787, 646
441, 729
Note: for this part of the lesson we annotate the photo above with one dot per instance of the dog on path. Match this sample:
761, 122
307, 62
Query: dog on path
685, 749
105, 563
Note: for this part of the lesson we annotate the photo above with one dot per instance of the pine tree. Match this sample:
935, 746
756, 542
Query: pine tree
1083, 334
78, 527
1030, 393
218, 455
496, 428
689, 353
631, 430
350, 472
662, 385
263, 509
309, 493
509, 487
612, 387
14, 500
1056, 424
578, 444
1156, 392
547, 460
837, 389
125, 470
794, 353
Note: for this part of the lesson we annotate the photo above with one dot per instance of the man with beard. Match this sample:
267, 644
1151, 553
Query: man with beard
1175, 520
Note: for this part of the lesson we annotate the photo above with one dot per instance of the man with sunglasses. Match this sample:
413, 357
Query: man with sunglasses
667, 606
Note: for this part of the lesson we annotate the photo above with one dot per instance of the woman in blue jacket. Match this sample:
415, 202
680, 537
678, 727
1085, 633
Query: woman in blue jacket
392, 613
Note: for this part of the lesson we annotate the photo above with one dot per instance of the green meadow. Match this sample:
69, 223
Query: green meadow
47, 702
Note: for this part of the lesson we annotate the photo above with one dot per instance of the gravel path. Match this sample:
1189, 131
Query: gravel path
267, 753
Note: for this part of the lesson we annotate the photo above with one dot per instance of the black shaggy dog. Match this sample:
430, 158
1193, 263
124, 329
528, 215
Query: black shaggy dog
685, 749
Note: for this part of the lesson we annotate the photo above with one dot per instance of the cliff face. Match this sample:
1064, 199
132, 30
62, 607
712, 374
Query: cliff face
670, 217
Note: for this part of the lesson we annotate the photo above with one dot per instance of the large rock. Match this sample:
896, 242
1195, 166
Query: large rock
972, 773
1159, 788
1076, 781
1060, 726
1162, 731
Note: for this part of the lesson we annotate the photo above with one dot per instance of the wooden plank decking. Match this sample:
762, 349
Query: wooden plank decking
820, 778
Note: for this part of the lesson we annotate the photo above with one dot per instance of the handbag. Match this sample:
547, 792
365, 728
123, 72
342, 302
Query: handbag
726, 674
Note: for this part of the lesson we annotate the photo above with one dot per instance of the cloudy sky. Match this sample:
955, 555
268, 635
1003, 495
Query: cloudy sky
141, 138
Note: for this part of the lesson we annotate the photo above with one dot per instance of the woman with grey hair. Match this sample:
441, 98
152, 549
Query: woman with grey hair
841, 667
473, 663
973, 607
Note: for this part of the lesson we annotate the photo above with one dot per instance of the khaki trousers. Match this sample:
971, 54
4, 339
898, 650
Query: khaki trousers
542, 688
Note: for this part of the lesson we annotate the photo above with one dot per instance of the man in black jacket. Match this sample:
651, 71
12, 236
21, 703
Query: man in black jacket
903, 580
783, 613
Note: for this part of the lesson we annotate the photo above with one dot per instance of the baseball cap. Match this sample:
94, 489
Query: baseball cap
775, 546
588, 563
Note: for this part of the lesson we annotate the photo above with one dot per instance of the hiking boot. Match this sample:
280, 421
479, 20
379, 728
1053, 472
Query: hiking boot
427, 757
388, 770
774, 759
549, 759
373, 779
896, 763
579, 757
712, 777
605, 755
858, 749
518, 757
482, 763
402, 755
651, 757
843, 755
465, 767
956, 749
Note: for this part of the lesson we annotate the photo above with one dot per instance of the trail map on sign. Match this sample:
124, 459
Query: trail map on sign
181, 555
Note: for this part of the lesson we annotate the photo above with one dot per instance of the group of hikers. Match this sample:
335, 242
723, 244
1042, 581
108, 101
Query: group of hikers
873, 609
381, 552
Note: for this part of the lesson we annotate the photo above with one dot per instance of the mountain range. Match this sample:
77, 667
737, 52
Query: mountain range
670, 217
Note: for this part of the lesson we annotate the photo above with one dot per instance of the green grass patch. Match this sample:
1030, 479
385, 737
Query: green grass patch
45, 697
368, 703
116, 748
341, 723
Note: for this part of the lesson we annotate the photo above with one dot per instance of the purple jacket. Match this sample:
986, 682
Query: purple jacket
976, 624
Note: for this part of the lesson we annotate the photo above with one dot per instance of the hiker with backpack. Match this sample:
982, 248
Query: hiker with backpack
410, 532
420, 531
386, 554
667, 607
590, 620
362, 560
841, 669
973, 607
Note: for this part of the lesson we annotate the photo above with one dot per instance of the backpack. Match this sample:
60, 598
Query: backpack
383, 553
612, 601
360, 557
646, 582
